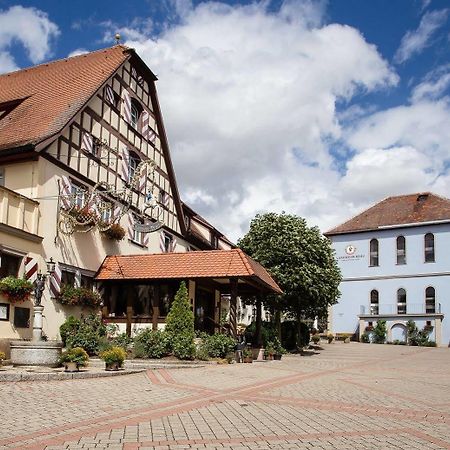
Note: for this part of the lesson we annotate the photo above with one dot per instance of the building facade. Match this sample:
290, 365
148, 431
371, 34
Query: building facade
83, 148
395, 266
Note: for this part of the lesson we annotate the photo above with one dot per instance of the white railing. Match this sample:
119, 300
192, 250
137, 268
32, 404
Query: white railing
18, 211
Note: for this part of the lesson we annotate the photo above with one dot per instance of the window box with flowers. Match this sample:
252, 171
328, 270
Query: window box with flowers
115, 232
16, 289
79, 296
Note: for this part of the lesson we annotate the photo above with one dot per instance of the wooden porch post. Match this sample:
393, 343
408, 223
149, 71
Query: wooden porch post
129, 308
155, 304
233, 306
258, 330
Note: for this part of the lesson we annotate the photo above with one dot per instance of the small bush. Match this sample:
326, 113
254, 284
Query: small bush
379, 332
69, 327
183, 346
90, 334
122, 340
218, 345
2, 356
151, 344
202, 353
315, 338
365, 338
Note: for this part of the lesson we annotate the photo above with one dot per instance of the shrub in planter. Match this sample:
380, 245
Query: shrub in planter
279, 350
365, 338
247, 355
269, 351
76, 355
2, 357
115, 232
80, 296
16, 289
330, 338
114, 358
151, 344
315, 338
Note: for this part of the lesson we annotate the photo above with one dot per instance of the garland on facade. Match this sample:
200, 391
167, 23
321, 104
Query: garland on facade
94, 211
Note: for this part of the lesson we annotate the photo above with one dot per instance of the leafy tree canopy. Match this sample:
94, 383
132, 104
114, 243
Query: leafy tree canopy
299, 258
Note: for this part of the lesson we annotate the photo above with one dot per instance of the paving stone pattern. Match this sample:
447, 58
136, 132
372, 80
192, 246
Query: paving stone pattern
350, 396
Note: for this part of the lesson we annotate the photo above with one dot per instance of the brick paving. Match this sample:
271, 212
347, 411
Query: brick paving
350, 396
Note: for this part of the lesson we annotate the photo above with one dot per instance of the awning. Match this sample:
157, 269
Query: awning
219, 265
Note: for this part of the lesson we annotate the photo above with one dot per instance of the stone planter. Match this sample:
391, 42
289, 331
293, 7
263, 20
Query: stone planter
35, 353
114, 366
71, 367
248, 359
277, 357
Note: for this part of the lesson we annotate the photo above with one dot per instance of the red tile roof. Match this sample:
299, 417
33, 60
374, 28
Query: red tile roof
202, 264
52, 93
412, 209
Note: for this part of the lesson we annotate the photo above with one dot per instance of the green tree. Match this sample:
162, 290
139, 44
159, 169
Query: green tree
301, 261
180, 325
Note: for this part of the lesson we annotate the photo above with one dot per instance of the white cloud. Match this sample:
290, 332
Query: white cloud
249, 100
414, 42
29, 26
433, 86
77, 52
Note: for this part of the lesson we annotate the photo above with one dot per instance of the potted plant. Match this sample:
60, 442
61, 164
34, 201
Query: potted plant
315, 338
115, 232
346, 338
16, 289
73, 359
269, 351
114, 358
278, 349
247, 354
2, 358
330, 338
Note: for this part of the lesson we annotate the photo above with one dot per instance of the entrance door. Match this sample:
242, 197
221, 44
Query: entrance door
204, 310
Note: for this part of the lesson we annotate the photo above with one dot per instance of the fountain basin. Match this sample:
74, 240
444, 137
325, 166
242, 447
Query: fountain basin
35, 353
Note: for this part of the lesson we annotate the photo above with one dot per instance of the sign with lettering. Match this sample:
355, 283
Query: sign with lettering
351, 254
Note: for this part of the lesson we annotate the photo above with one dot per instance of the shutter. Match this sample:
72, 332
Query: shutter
110, 97
125, 166
77, 279
162, 241
130, 226
145, 125
126, 106
31, 269
65, 192
87, 142
143, 180
55, 281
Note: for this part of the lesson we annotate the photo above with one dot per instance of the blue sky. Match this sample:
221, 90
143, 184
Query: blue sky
318, 108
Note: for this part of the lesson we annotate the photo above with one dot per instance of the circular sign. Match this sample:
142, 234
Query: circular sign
350, 249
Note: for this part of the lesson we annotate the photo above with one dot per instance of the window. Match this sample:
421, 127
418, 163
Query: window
2, 176
136, 111
167, 243
77, 195
9, 264
164, 198
430, 300
401, 250
133, 164
374, 252
67, 278
401, 301
374, 303
429, 247
138, 237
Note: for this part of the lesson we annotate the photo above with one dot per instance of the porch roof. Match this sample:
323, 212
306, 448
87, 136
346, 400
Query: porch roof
214, 264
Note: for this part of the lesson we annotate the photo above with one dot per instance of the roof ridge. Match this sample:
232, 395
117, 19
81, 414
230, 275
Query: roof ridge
47, 63
244, 257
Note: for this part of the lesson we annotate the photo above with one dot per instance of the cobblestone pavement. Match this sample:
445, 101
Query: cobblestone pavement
351, 396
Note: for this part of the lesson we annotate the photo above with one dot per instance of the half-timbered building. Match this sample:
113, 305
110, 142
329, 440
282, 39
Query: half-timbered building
84, 156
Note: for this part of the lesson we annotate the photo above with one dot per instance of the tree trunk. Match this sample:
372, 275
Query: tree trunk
258, 331
278, 323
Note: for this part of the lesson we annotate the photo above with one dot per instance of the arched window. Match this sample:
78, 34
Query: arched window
429, 247
136, 110
374, 252
401, 301
430, 300
374, 301
401, 250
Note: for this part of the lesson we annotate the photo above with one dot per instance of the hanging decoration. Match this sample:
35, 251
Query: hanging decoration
82, 210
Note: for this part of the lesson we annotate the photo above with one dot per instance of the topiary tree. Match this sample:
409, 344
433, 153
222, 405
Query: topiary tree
180, 325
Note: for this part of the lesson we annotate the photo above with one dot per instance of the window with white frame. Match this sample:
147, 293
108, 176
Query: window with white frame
133, 164
429, 247
401, 250
374, 302
374, 256
430, 300
401, 301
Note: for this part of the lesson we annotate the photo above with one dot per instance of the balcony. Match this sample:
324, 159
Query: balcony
395, 309
19, 215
